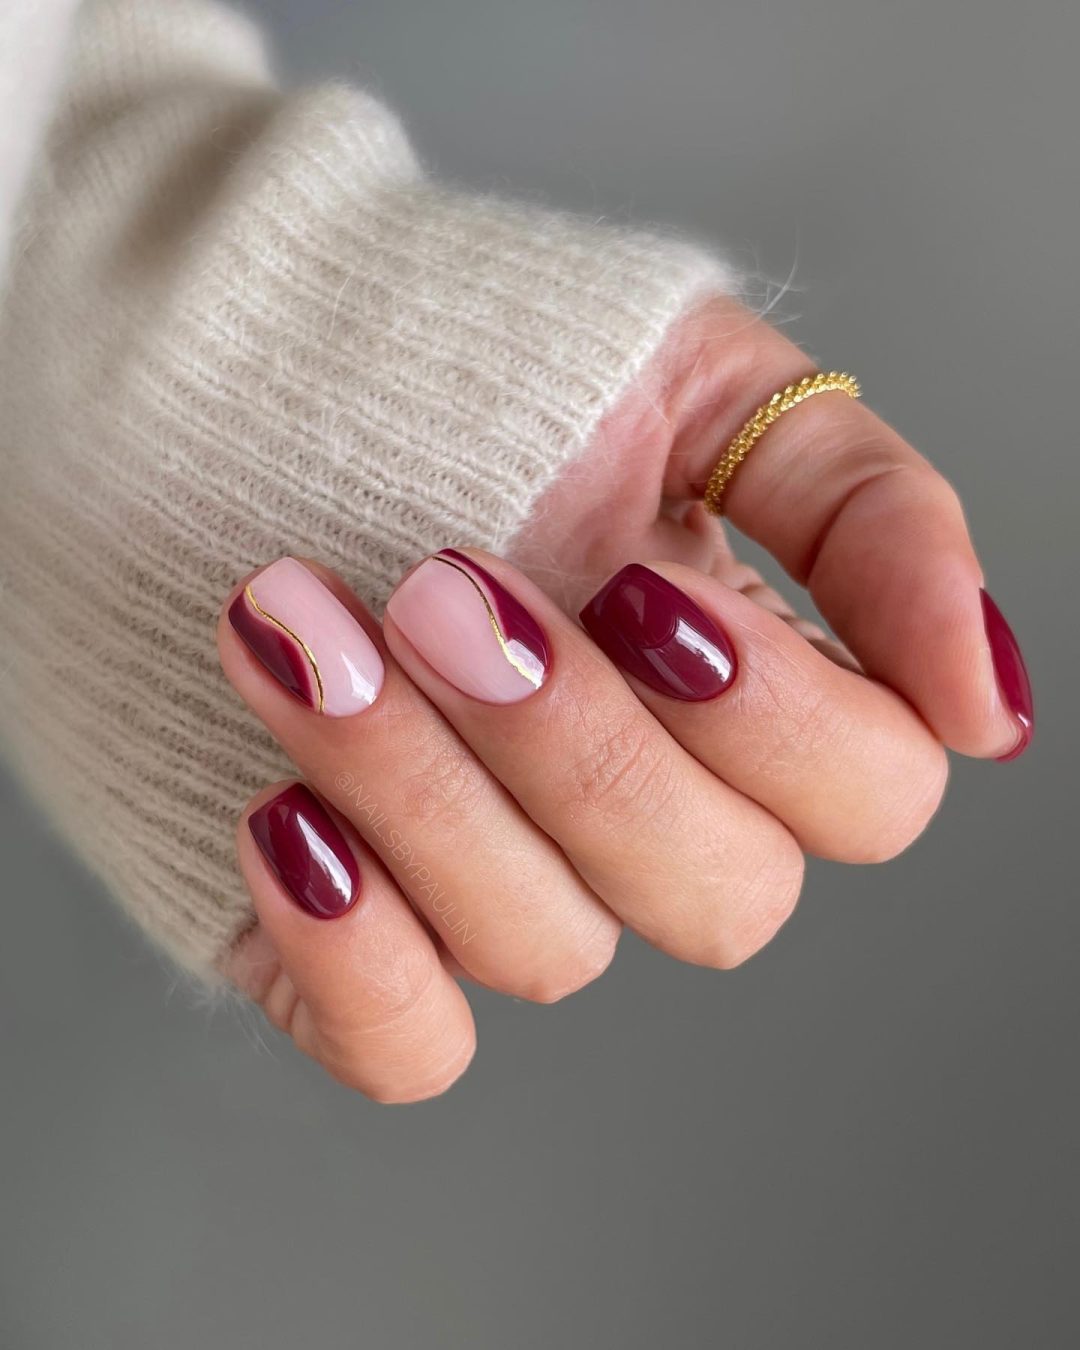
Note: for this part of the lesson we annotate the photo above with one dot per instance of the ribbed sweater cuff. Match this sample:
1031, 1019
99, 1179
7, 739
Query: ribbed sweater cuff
466, 346
241, 325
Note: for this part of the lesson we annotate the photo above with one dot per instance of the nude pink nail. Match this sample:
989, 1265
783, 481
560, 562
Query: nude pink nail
470, 629
308, 640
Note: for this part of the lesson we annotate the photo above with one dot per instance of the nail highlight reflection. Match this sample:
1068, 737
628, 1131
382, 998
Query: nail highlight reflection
306, 638
307, 852
470, 629
655, 632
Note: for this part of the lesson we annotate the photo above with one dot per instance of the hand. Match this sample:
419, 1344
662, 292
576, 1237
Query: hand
502, 790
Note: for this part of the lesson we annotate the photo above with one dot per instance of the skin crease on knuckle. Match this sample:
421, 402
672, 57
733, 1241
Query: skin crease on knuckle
768, 900
447, 788
801, 717
897, 803
573, 972
405, 1083
401, 986
755, 910
625, 777
395, 1057
450, 789
905, 815
627, 780
809, 722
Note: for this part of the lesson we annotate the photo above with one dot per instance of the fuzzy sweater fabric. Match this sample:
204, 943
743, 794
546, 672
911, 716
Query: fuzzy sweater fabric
239, 324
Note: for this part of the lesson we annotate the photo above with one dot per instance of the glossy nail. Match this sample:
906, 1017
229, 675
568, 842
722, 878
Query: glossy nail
470, 629
307, 639
1012, 677
307, 852
656, 633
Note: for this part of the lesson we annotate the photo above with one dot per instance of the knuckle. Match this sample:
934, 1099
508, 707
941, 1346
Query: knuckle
906, 810
419, 1086
624, 775
395, 1008
937, 485
576, 970
806, 724
445, 790
407, 991
765, 903
401, 1052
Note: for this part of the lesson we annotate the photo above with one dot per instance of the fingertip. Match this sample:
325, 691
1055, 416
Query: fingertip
434, 1081
978, 699
1011, 673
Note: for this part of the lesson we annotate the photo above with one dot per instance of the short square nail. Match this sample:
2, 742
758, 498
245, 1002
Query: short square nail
1012, 677
470, 629
307, 852
656, 633
308, 640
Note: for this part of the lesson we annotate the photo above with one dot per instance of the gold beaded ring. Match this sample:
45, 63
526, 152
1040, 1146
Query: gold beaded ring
766, 415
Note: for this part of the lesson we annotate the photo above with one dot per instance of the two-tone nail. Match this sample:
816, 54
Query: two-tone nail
306, 638
470, 629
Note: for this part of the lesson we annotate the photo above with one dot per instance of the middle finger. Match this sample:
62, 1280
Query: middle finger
693, 865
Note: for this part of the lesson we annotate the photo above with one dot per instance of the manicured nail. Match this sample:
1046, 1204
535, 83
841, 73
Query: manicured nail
308, 640
1012, 677
307, 852
470, 629
658, 634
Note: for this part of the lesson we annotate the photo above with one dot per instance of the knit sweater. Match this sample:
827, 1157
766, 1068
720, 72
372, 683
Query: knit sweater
240, 324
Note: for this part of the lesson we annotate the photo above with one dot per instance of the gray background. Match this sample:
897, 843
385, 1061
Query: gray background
866, 1137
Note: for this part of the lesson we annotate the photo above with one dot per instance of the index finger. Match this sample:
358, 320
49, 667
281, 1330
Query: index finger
873, 531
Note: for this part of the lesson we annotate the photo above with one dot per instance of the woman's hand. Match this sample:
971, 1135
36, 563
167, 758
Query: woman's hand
506, 789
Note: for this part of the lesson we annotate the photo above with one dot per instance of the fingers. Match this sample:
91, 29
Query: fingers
693, 865
844, 762
339, 960
496, 891
854, 513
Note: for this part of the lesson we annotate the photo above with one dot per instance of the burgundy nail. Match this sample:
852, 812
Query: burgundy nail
658, 634
1012, 676
307, 852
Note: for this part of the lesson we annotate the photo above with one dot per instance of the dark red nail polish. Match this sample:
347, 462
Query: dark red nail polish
307, 852
1012, 676
279, 651
658, 634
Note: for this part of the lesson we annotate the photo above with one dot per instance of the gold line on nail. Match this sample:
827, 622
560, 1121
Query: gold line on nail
499, 638
296, 638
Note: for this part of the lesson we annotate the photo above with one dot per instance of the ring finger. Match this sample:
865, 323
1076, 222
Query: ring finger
847, 764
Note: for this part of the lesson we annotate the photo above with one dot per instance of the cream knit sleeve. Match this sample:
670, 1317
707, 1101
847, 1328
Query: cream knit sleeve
240, 324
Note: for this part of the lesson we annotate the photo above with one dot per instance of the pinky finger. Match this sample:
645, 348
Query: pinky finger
339, 960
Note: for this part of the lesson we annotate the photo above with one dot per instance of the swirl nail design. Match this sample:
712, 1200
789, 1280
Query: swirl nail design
308, 640
470, 628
